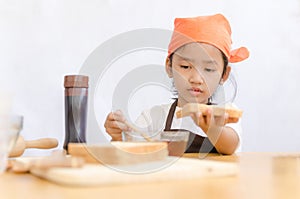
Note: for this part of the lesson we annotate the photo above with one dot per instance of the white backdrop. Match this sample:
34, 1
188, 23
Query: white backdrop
43, 40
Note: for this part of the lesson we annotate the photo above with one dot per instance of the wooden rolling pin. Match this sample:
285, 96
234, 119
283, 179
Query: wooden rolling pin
21, 145
56, 159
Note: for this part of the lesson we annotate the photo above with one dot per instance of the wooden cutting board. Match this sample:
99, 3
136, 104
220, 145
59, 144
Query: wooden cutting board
172, 168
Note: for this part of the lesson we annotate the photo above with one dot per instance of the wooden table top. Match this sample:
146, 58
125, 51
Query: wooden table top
262, 175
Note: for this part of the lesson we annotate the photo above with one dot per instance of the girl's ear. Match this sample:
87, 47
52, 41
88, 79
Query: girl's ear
226, 75
169, 68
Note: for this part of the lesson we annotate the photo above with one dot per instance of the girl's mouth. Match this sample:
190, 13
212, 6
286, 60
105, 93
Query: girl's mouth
195, 91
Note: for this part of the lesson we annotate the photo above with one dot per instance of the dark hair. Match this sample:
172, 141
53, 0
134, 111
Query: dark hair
225, 61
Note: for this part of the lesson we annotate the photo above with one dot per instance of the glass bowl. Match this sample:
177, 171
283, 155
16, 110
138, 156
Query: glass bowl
10, 127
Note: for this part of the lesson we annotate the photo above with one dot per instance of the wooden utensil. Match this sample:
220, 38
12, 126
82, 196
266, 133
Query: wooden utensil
138, 130
58, 158
21, 145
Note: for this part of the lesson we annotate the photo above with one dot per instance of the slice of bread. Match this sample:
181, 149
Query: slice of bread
217, 110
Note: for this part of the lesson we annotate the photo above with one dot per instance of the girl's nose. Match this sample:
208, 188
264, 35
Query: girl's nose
196, 77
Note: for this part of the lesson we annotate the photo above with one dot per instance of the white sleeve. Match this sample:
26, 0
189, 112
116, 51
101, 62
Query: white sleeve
237, 127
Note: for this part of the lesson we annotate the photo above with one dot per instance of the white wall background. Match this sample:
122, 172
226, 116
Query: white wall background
43, 40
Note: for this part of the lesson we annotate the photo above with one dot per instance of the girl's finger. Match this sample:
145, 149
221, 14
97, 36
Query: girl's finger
116, 137
201, 119
120, 125
209, 116
221, 120
113, 131
110, 116
116, 125
117, 116
226, 118
196, 117
232, 120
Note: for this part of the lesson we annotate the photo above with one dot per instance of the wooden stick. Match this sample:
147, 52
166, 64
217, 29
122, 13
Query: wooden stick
138, 130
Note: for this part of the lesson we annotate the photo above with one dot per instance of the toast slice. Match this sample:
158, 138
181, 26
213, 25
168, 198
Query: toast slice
217, 110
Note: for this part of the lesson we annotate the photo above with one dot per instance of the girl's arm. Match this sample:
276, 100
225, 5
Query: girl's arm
224, 138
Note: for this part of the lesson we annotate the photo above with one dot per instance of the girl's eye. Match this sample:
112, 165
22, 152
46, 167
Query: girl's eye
184, 66
209, 70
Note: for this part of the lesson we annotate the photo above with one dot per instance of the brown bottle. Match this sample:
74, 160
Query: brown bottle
76, 96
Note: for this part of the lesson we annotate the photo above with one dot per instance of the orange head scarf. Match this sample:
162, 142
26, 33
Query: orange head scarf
214, 30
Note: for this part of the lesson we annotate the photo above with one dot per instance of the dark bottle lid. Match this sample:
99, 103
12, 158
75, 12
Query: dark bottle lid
76, 81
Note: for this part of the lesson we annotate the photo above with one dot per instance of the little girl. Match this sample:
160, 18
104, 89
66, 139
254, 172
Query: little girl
197, 61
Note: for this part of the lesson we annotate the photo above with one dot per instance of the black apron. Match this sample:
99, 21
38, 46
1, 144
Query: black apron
196, 143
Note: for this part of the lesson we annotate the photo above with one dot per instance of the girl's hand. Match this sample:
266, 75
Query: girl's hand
225, 139
207, 121
115, 125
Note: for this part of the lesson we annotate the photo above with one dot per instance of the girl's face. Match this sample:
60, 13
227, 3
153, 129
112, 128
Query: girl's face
196, 69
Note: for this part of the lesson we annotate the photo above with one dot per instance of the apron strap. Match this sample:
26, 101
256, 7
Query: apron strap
170, 116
